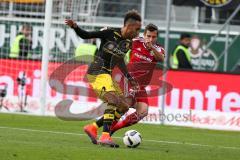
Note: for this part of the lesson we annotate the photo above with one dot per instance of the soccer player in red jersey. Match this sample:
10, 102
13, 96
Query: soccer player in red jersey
145, 54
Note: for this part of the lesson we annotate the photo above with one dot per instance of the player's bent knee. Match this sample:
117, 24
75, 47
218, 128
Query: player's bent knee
125, 101
122, 109
118, 101
142, 109
111, 98
144, 114
124, 104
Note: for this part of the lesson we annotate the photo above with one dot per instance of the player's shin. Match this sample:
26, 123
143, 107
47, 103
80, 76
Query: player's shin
105, 138
128, 121
108, 118
117, 115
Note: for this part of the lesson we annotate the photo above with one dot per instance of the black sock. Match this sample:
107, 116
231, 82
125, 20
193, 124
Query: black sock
99, 122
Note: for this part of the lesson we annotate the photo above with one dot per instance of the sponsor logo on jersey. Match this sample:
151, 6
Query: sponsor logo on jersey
117, 49
139, 49
143, 57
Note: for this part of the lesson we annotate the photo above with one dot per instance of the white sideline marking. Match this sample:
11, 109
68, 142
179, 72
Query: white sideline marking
147, 140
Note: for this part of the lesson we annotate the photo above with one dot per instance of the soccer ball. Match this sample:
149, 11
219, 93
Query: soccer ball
132, 138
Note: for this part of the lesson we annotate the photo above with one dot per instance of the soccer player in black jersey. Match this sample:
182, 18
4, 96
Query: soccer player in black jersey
114, 45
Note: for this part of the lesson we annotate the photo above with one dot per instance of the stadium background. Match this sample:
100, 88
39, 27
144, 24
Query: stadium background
210, 92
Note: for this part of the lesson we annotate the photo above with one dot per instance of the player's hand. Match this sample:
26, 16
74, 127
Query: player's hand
71, 23
148, 44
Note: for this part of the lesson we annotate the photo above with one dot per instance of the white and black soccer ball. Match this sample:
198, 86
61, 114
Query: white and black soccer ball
132, 139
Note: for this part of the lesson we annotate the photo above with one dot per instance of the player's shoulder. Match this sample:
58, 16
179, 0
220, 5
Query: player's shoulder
138, 40
115, 31
108, 29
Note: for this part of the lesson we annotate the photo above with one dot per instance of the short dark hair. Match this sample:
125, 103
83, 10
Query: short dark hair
151, 27
132, 15
185, 35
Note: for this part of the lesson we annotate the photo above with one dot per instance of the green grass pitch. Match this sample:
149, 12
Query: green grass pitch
47, 138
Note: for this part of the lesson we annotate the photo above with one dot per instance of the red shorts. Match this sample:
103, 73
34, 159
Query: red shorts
142, 96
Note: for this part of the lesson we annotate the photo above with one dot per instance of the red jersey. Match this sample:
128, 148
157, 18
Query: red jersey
140, 53
141, 59
141, 65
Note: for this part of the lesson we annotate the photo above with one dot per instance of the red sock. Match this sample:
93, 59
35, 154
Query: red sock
113, 124
128, 121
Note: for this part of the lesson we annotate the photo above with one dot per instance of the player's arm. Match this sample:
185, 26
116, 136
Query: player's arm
158, 52
85, 34
123, 68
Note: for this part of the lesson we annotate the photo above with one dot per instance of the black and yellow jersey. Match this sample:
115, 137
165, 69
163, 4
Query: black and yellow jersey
111, 52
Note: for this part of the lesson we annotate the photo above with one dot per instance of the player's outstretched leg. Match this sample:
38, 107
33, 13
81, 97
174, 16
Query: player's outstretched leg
135, 117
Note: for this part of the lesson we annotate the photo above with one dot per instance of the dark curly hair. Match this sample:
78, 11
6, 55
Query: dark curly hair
131, 16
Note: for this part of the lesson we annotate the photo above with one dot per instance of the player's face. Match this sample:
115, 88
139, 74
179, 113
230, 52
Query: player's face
150, 36
133, 30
